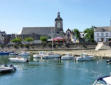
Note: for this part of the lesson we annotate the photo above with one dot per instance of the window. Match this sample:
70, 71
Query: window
102, 34
97, 39
97, 34
106, 34
107, 39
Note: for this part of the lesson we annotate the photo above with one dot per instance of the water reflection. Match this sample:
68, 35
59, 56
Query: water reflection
4, 59
54, 72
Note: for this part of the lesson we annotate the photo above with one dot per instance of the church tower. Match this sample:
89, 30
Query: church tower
58, 23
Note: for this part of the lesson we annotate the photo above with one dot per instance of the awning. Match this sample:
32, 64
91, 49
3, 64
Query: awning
58, 39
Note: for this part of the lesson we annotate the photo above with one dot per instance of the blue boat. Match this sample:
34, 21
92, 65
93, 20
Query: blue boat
4, 53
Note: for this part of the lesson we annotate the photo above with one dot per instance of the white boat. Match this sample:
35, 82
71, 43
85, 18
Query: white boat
51, 55
109, 61
18, 60
13, 54
67, 57
24, 53
85, 57
40, 54
103, 81
7, 69
36, 56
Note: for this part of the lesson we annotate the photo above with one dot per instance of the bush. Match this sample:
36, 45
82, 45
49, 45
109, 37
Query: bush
43, 38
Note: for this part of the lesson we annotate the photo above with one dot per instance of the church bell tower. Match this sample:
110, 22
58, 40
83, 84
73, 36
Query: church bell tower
58, 23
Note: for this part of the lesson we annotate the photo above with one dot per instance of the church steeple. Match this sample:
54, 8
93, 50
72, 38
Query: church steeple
58, 23
58, 14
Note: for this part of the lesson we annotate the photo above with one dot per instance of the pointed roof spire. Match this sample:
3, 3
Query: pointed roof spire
58, 16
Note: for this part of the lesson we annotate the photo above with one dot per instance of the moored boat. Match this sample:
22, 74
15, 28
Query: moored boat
12, 54
23, 53
106, 80
19, 60
37, 56
7, 69
40, 54
109, 61
84, 57
51, 55
4, 53
67, 57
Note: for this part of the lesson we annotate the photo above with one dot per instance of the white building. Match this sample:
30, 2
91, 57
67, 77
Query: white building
102, 34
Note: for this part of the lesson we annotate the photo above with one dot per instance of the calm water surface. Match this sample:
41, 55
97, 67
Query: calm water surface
54, 72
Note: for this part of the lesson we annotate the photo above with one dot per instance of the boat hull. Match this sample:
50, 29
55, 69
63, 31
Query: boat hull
51, 56
18, 60
4, 70
67, 58
84, 58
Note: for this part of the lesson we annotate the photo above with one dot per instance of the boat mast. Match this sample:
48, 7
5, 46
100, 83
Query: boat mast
52, 38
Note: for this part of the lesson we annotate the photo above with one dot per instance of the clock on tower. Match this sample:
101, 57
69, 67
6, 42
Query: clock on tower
58, 25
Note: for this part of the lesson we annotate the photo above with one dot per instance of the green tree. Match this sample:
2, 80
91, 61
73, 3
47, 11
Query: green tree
89, 34
77, 33
28, 39
43, 38
16, 40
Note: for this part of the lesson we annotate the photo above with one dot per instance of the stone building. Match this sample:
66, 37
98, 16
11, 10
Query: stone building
36, 32
2, 37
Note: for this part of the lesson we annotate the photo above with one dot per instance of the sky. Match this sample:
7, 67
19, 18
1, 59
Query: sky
81, 14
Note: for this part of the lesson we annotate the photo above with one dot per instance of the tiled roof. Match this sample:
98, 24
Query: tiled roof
37, 30
102, 29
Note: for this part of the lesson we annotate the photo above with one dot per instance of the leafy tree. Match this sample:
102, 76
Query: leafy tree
77, 33
28, 39
43, 38
17, 40
89, 34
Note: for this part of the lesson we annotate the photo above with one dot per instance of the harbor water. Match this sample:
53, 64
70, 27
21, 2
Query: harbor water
54, 72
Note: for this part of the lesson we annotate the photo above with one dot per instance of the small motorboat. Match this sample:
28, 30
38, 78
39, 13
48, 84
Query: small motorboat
84, 57
109, 61
4, 53
51, 55
19, 60
24, 53
12, 54
40, 54
7, 69
36, 56
106, 80
67, 57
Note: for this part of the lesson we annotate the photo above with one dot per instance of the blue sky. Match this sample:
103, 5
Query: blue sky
81, 14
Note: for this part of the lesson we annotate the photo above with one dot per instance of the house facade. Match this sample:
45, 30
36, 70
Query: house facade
2, 37
102, 34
